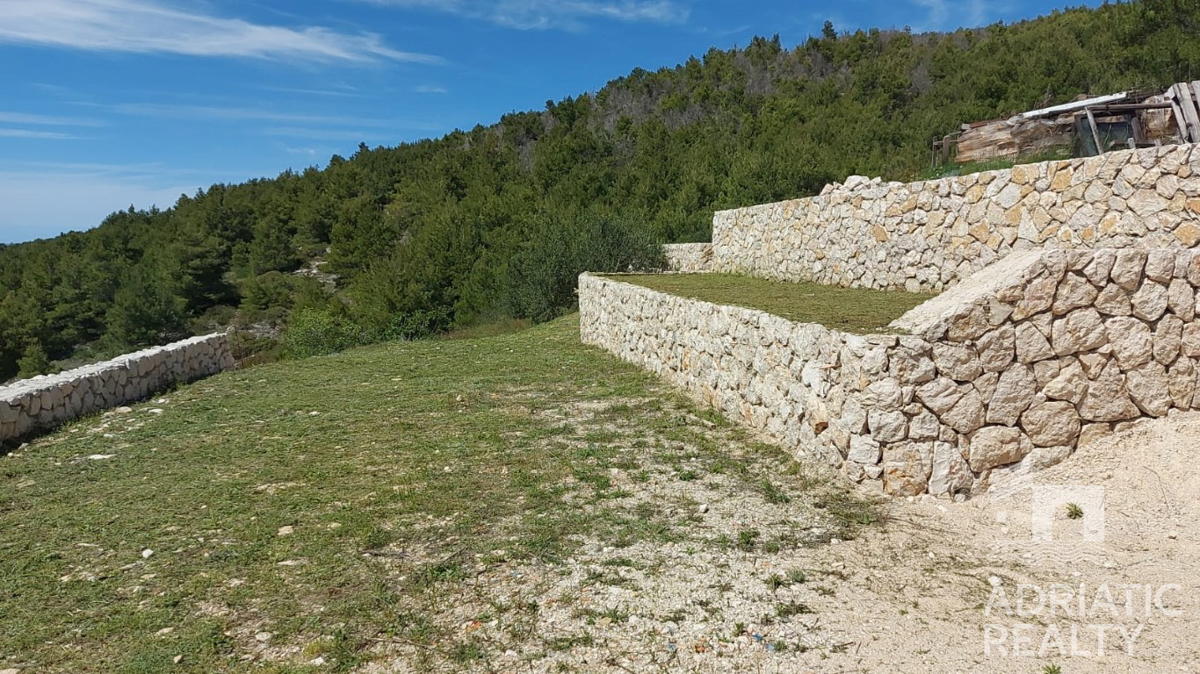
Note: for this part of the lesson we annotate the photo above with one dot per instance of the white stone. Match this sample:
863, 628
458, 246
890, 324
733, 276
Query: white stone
1014, 392
1080, 330
1131, 341
1150, 301
1148, 389
1051, 423
1031, 345
956, 361
997, 446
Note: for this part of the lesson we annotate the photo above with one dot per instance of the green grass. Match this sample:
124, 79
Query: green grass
955, 169
404, 471
849, 309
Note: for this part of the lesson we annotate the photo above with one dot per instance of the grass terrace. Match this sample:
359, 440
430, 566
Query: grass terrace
452, 506
855, 310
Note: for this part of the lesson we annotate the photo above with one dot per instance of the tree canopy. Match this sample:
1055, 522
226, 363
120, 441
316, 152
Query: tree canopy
497, 221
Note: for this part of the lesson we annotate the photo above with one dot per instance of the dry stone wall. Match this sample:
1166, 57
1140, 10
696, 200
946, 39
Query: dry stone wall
926, 236
1007, 373
688, 258
43, 402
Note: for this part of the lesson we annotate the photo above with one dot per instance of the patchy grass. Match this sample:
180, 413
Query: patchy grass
326, 514
848, 309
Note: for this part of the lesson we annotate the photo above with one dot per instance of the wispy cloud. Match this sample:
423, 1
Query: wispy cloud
154, 26
45, 120
429, 89
351, 134
552, 14
39, 135
233, 114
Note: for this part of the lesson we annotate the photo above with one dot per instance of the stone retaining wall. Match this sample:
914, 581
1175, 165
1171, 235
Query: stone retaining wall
1007, 373
45, 401
688, 258
926, 236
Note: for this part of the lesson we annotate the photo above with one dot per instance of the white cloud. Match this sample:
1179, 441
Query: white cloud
547, 14
154, 26
45, 120
216, 113
429, 89
39, 135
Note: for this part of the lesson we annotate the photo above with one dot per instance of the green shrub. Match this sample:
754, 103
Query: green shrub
543, 277
312, 332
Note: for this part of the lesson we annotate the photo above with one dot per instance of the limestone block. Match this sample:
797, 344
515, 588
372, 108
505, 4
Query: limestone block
925, 426
1080, 330
909, 366
997, 446
1127, 269
888, 426
969, 324
956, 361
1074, 292
1167, 339
997, 348
1107, 399
1031, 345
1098, 269
1014, 393
907, 467
951, 474
1150, 301
967, 414
1131, 341
1190, 343
1041, 458
884, 394
1148, 389
1114, 301
864, 450
1038, 297
1090, 433
1181, 299
1160, 265
1181, 382
1051, 423
939, 395
1071, 384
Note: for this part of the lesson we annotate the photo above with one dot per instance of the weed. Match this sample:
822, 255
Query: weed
792, 609
1074, 512
774, 494
747, 538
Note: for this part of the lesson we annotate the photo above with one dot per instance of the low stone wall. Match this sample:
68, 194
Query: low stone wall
1007, 373
926, 236
45, 401
689, 258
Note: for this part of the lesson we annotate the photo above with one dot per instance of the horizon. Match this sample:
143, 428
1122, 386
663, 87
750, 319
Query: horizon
114, 115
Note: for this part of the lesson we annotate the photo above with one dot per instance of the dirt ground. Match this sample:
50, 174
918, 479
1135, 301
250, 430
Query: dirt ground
942, 587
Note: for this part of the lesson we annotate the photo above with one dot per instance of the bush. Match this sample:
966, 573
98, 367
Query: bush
544, 276
312, 332
33, 362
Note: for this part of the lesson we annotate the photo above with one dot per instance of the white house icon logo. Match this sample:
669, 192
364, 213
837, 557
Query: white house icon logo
1048, 502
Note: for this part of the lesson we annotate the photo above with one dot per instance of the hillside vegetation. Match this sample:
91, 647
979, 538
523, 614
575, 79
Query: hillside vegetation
495, 222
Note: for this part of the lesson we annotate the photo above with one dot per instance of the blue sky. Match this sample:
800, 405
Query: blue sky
108, 103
